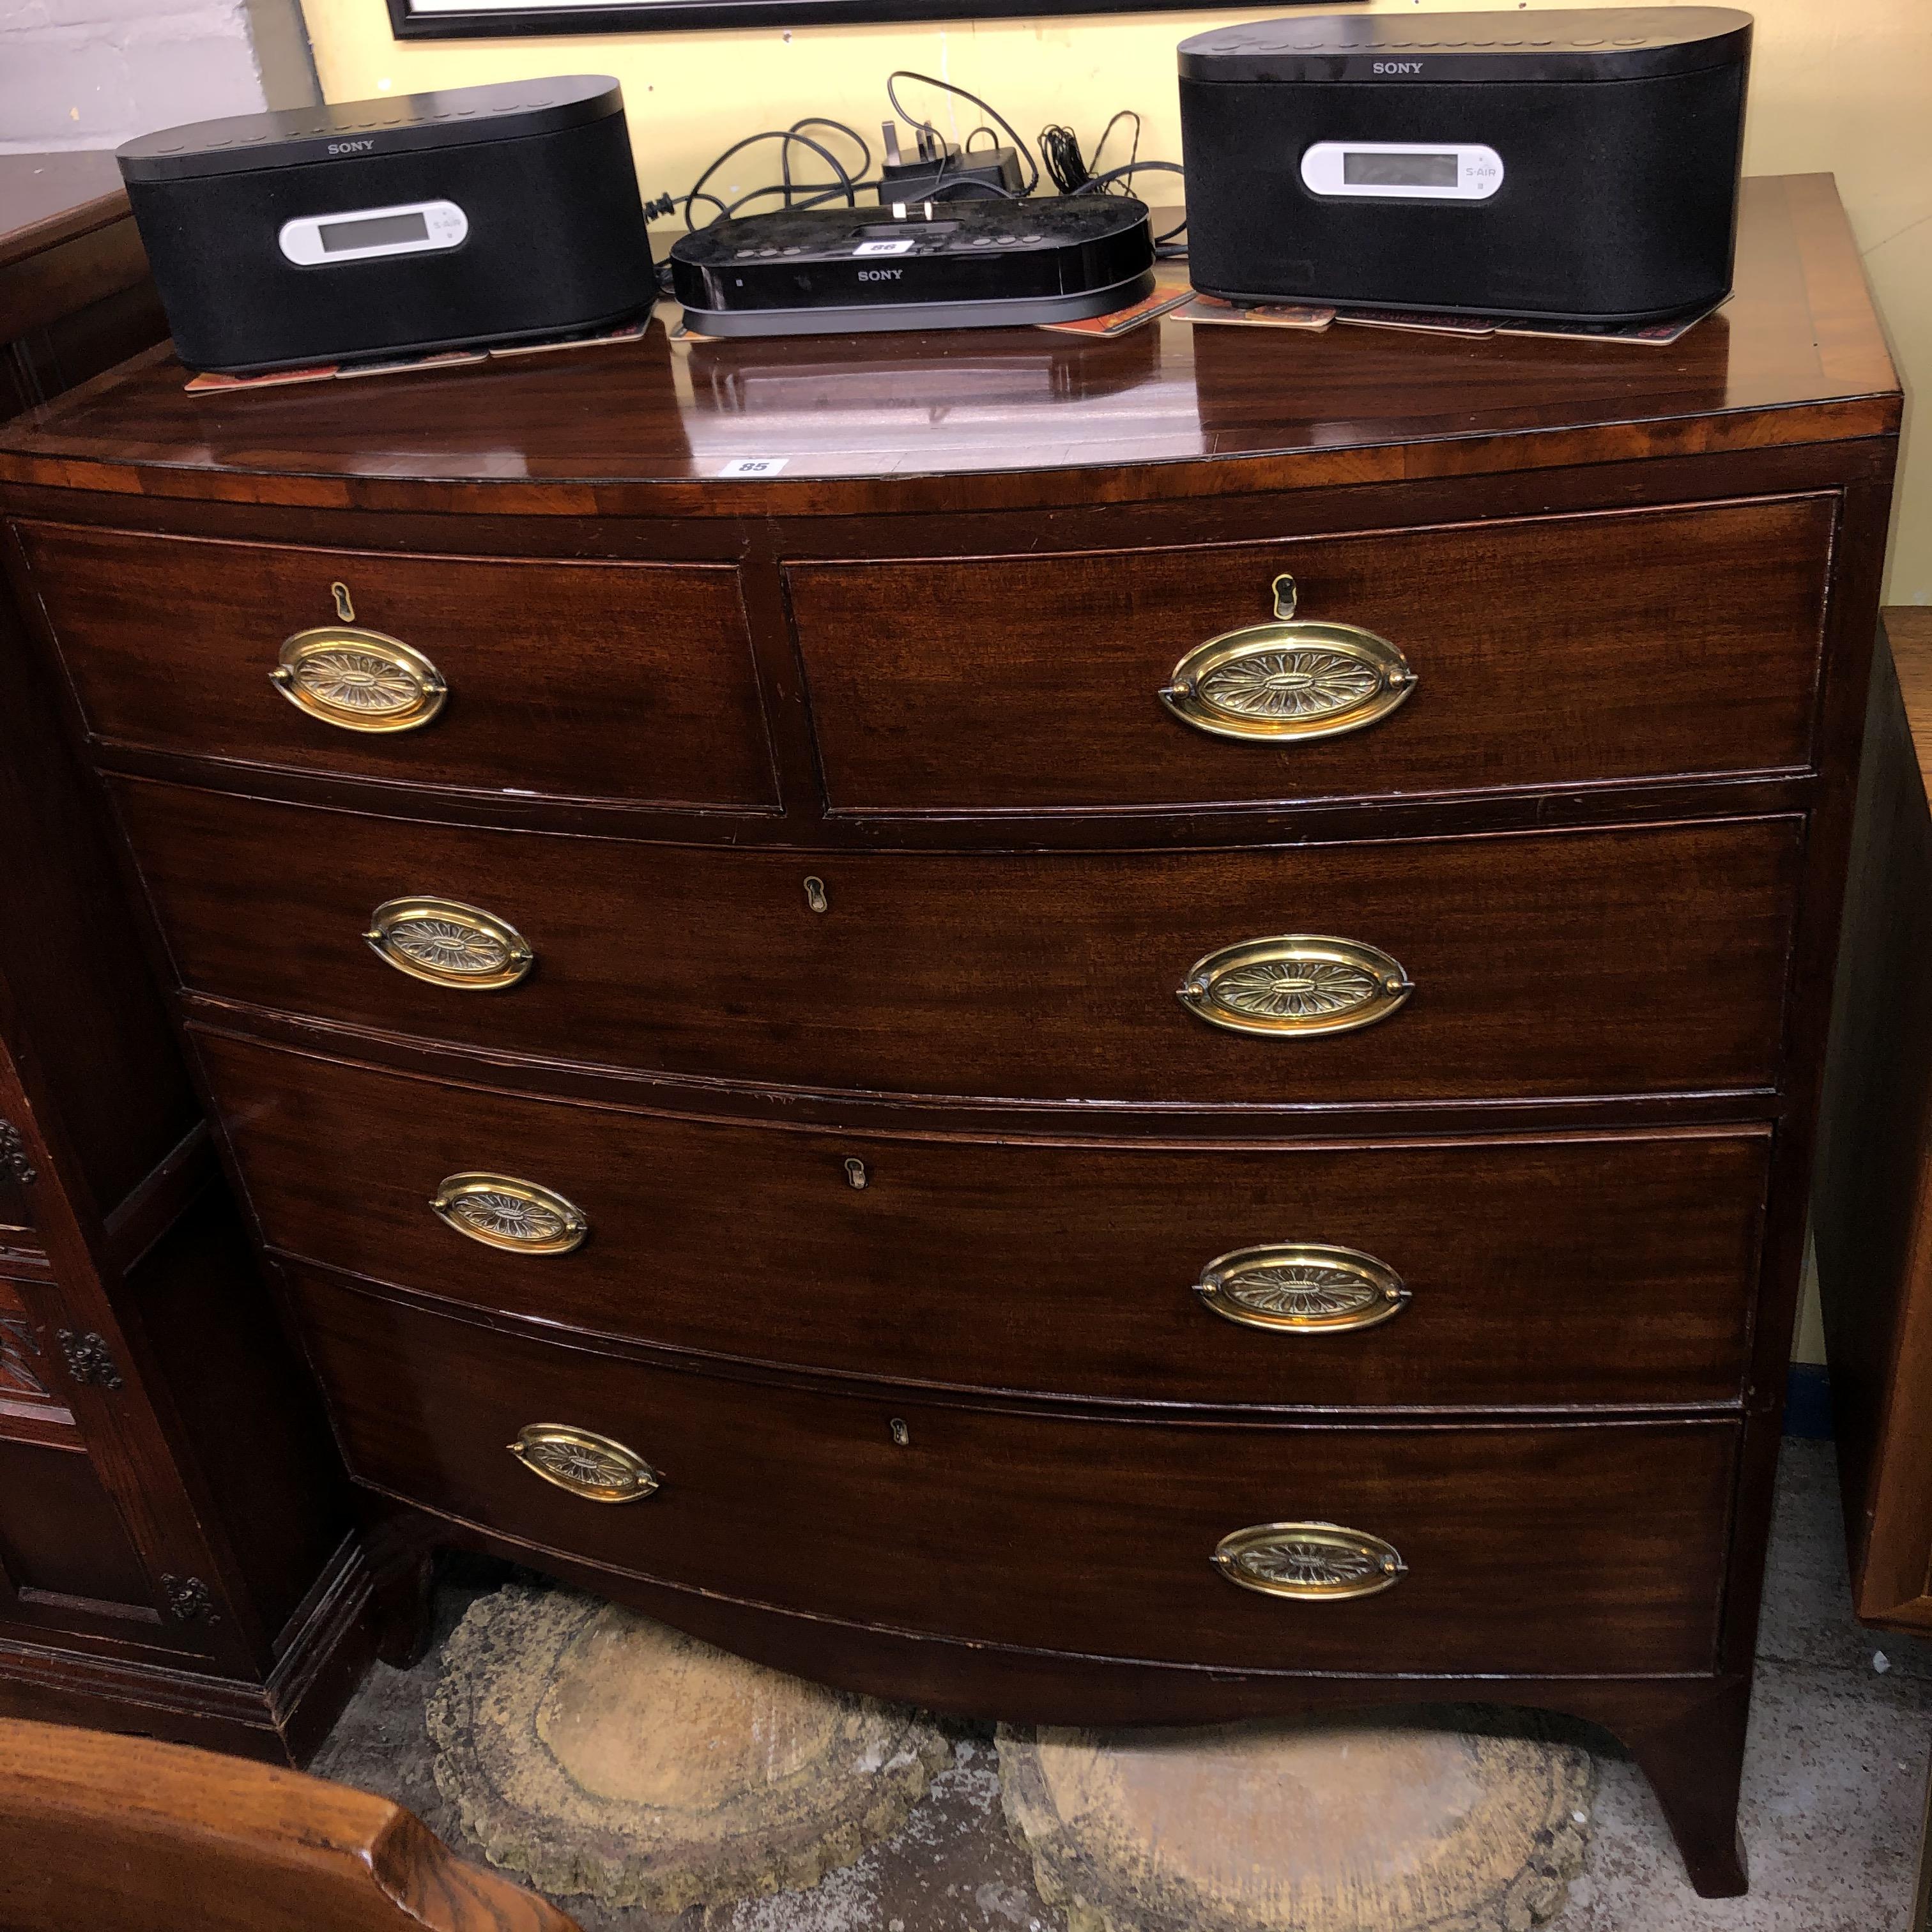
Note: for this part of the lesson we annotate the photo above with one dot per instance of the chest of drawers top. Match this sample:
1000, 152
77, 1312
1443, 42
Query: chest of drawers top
1008, 418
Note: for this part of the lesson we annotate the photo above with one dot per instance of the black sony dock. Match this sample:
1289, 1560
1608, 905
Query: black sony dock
977, 264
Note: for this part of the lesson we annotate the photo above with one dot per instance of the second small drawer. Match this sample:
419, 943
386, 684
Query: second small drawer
1512, 1271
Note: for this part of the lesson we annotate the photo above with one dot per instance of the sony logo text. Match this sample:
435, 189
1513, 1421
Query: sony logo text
350, 147
1398, 67
881, 275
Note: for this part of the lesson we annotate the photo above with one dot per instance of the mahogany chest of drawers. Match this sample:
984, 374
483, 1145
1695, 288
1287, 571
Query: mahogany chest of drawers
1137, 1040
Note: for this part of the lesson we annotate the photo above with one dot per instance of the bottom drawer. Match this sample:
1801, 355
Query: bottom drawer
1548, 1550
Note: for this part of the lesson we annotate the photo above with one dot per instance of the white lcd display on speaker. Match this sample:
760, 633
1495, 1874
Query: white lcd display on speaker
358, 235
1403, 170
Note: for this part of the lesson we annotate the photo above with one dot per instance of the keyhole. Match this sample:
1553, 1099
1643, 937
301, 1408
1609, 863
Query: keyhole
815, 895
856, 1175
344, 609
1285, 596
901, 1435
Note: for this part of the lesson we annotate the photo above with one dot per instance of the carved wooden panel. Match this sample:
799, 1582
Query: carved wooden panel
24, 1371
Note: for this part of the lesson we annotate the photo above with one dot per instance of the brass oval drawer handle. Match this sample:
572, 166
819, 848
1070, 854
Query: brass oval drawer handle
1302, 1288
1298, 983
448, 944
1292, 679
597, 1467
1317, 1561
358, 680
501, 1211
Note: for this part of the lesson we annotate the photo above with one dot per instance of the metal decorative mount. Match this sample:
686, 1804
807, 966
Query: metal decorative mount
1317, 1561
89, 1360
1299, 983
594, 1467
17, 1344
1290, 679
190, 1600
358, 680
501, 1211
448, 944
13, 1161
1302, 1288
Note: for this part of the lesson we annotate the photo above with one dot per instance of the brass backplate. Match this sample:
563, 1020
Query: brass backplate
358, 680
1288, 681
1302, 1288
501, 1211
448, 944
1297, 984
1318, 1561
596, 1468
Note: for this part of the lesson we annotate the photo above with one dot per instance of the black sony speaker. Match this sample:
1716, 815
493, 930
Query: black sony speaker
374, 229
1578, 167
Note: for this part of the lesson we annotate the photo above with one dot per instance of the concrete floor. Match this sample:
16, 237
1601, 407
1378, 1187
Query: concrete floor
1834, 1801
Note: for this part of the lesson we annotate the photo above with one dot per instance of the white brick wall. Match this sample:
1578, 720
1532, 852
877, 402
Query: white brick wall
92, 73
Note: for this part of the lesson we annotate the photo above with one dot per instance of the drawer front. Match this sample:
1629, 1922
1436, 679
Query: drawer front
630, 682
1565, 1269
1631, 961
1553, 651
1534, 1549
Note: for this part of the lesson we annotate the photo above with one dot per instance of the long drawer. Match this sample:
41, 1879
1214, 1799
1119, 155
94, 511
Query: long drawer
631, 682
1542, 651
1515, 1270
1630, 961
1539, 1549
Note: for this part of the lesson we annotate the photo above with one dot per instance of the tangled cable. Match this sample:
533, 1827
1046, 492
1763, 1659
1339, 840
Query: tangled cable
1070, 172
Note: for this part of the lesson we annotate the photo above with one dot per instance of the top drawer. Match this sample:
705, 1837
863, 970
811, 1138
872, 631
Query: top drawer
631, 682
1547, 652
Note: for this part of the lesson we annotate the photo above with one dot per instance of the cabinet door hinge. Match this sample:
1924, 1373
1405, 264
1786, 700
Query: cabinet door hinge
189, 1599
89, 1359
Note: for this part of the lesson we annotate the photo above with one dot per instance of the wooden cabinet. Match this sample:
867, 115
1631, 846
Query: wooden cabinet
75, 296
1143, 1048
1874, 1184
176, 1553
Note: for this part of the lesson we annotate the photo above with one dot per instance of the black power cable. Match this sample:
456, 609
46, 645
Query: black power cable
1098, 184
843, 183
1059, 147
1005, 127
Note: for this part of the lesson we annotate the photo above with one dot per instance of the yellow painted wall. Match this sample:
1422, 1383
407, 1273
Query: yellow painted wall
1843, 86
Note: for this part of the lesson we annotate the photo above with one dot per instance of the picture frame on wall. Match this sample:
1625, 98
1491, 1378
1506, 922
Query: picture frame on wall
487, 20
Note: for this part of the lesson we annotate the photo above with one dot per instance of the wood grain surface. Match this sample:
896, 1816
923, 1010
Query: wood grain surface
116, 1831
1641, 962
1597, 1546
1873, 1215
629, 681
1593, 1270
1547, 651
1013, 418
